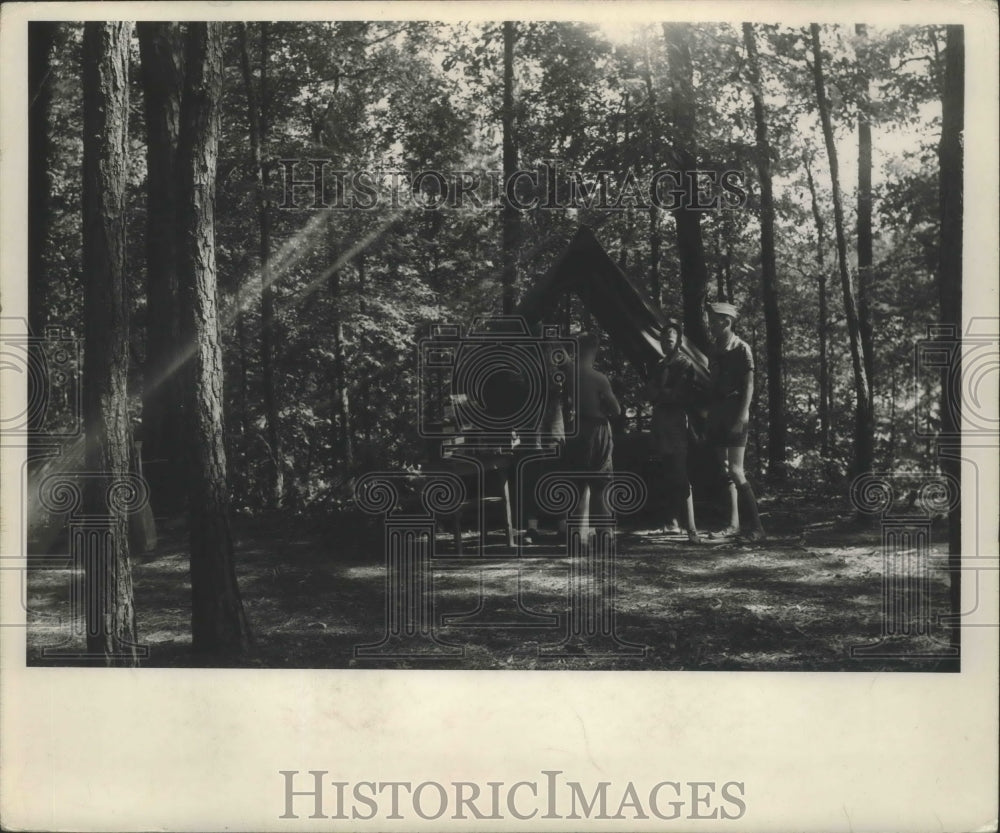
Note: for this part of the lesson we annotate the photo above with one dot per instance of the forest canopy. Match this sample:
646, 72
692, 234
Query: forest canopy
320, 310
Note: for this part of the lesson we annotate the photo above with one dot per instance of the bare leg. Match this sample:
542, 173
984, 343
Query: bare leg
583, 510
744, 492
734, 511
734, 463
508, 512
598, 504
685, 501
692, 530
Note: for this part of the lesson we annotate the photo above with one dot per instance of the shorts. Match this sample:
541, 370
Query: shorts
535, 470
722, 430
670, 431
674, 472
591, 450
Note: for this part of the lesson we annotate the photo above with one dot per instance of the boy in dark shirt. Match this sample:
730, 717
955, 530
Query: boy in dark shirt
671, 388
732, 367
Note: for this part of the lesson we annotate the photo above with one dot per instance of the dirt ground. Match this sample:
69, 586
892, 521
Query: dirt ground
315, 593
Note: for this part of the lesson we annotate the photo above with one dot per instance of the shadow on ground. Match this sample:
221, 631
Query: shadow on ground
798, 602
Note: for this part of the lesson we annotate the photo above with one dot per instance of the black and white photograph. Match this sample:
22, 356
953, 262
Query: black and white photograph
301, 261
390, 342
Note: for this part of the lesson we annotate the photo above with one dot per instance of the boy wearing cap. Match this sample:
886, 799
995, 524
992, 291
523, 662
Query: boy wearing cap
671, 389
731, 366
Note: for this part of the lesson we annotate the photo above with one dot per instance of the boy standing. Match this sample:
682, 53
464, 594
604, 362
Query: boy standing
591, 449
557, 395
671, 388
732, 367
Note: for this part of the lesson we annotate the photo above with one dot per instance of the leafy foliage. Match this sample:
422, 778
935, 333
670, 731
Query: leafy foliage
414, 96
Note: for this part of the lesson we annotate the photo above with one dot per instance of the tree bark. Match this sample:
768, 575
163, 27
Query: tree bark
41, 40
218, 622
690, 247
720, 274
344, 438
865, 256
257, 116
367, 457
952, 167
162, 70
511, 219
628, 231
243, 347
729, 272
890, 462
655, 284
754, 413
864, 431
111, 625
825, 398
777, 454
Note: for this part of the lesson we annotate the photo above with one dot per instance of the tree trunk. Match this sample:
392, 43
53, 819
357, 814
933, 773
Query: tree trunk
825, 398
776, 433
690, 248
864, 431
243, 347
111, 626
890, 455
366, 399
41, 40
720, 274
257, 117
729, 272
754, 412
342, 397
628, 232
218, 622
341, 430
511, 220
655, 284
162, 64
950, 285
865, 257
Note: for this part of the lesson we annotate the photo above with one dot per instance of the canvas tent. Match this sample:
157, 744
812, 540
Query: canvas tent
623, 309
633, 322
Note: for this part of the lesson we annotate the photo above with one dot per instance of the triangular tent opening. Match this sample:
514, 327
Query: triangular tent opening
622, 308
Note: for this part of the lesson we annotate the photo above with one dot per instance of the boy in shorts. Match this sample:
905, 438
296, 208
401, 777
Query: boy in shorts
671, 389
731, 365
591, 449
558, 400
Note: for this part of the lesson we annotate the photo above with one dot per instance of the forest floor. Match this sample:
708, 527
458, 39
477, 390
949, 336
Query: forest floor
799, 601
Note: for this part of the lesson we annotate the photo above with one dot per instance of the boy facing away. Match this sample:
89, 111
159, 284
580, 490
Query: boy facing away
591, 450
